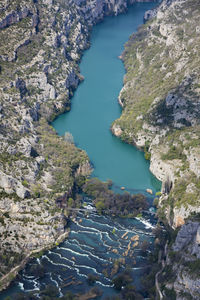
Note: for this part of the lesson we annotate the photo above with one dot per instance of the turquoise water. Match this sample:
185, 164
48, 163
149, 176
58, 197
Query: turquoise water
95, 105
88, 250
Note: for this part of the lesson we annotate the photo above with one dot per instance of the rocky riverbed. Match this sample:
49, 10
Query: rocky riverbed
98, 247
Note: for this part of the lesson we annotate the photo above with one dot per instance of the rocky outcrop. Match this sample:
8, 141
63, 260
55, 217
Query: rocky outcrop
11, 185
149, 14
188, 234
15, 17
183, 260
187, 285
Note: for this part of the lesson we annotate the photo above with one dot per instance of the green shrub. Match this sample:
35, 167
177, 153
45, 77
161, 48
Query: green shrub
156, 201
2, 221
174, 153
158, 193
171, 294
25, 183
147, 155
193, 267
108, 202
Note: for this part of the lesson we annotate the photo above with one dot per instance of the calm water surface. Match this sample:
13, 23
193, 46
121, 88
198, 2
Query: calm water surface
95, 106
88, 250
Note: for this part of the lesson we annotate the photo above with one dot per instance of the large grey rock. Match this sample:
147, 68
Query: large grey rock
186, 234
21, 191
11, 185
7, 183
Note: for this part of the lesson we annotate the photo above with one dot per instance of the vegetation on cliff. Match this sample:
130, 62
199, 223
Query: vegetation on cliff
38, 72
161, 109
161, 106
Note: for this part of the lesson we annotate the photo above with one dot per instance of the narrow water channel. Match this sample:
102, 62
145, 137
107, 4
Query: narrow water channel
92, 245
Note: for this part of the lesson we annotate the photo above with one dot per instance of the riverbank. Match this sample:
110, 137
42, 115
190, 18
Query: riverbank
160, 101
164, 119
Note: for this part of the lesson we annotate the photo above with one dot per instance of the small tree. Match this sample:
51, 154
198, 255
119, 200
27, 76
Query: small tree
122, 280
68, 137
144, 246
70, 202
92, 278
100, 206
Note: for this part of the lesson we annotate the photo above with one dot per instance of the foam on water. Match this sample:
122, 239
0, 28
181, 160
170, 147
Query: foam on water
21, 286
146, 223
89, 252
57, 285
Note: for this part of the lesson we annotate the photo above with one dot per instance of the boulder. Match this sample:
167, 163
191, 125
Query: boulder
186, 234
149, 191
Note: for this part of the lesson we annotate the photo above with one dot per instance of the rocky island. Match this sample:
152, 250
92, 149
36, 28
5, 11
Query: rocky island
41, 46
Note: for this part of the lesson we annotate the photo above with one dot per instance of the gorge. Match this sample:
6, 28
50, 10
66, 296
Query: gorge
160, 99
100, 65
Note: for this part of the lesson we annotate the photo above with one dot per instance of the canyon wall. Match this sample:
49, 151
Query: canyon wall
161, 110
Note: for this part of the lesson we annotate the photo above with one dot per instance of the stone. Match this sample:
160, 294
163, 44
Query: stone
149, 191
7, 183
124, 235
135, 238
24, 146
21, 191
185, 235
115, 251
179, 221
135, 244
116, 130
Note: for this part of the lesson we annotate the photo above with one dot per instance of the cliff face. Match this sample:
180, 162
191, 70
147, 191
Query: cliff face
161, 106
36, 166
181, 272
161, 109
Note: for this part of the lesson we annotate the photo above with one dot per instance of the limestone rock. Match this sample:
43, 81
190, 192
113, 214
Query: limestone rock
116, 130
185, 235
149, 191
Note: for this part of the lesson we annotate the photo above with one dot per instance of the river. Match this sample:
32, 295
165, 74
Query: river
92, 244
95, 106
